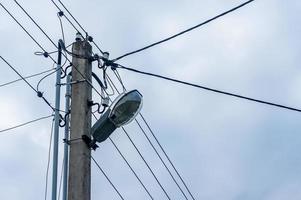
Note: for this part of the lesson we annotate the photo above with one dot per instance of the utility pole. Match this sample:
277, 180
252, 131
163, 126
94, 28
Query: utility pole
79, 184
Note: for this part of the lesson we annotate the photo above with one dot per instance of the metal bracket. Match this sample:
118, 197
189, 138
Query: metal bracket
73, 82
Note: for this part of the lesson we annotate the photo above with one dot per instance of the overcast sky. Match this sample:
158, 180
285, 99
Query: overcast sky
225, 148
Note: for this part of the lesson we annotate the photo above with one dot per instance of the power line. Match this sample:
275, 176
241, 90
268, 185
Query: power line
25, 31
75, 21
46, 101
48, 160
89, 82
128, 164
173, 178
142, 157
135, 174
26, 77
169, 160
79, 25
102, 171
73, 18
210, 89
30, 122
47, 75
183, 32
132, 142
150, 142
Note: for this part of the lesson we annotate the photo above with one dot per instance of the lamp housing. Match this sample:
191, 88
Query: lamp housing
122, 111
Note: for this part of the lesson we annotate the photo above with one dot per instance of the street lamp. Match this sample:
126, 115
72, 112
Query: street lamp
122, 111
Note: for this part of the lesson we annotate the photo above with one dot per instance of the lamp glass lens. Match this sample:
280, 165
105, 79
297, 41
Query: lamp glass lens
126, 108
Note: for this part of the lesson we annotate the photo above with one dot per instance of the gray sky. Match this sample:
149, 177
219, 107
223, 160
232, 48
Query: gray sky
225, 148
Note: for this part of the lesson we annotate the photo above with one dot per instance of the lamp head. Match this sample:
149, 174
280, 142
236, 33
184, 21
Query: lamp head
122, 111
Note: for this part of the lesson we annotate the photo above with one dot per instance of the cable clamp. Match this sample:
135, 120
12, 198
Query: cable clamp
91, 144
60, 13
72, 82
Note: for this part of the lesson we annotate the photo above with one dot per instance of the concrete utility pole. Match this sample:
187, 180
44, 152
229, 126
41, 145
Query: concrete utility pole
79, 184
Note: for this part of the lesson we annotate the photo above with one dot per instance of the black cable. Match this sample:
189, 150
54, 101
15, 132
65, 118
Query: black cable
154, 148
30, 122
73, 18
66, 17
142, 157
74, 67
26, 77
211, 89
62, 27
63, 36
128, 164
26, 31
169, 160
47, 75
150, 142
102, 171
45, 100
185, 31
119, 79
79, 25
48, 159
139, 154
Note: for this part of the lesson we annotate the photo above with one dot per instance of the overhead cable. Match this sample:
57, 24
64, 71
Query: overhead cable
91, 39
211, 89
142, 157
74, 67
128, 164
148, 166
48, 161
102, 171
183, 32
37, 92
80, 25
26, 31
26, 77
157, 153
26, 123
169, 160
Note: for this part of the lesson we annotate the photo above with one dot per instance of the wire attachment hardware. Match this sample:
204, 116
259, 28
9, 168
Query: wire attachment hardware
90, 143
60, 13
91, 104
63, 120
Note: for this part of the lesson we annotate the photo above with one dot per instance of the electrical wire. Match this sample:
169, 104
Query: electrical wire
102, 171
26, 123
211, 89
26, 77
45, 100
62, 27
63, 35
74, 67
132, 142
128, 164
183, 32
119, 79
169, 160
44, 77
150, 142
73, 18
154, 148
25, 30
48, 160
65, 16
61, 179
79, 25
142, 157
